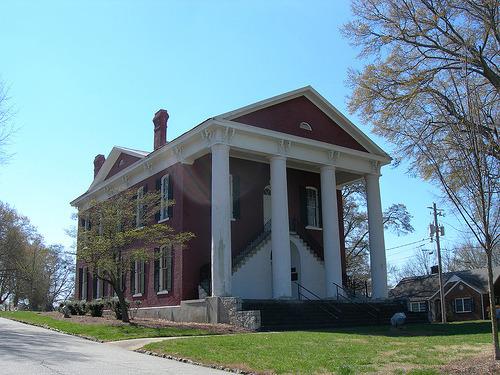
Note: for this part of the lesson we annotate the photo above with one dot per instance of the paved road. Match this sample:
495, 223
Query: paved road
29, 350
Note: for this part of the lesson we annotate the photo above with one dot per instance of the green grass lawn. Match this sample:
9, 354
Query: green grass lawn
415, 349
104, 332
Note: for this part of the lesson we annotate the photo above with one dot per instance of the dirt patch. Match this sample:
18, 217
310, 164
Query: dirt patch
148, 323
479, 365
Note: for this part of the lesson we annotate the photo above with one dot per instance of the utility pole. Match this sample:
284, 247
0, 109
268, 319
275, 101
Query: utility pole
437, 231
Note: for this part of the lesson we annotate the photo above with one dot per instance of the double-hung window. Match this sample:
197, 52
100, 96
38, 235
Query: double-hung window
139, 214
165, 269
139, 277
84, 284
420, 306
463, 305
164, 197
312, 206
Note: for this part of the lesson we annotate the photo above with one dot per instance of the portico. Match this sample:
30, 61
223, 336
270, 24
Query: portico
337, 169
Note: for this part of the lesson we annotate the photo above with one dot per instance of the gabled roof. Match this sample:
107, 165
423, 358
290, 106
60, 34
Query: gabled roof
427, 286
111, 160
310, 93
193, 144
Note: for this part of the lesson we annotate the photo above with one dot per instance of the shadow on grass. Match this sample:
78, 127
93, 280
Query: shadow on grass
412, 330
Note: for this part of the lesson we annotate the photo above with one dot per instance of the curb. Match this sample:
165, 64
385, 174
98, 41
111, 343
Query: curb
191, 362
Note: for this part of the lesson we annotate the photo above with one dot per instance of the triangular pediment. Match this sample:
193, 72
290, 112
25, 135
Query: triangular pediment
305, 113
118, 159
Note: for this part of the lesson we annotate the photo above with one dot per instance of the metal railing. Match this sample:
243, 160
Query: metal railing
375, 312
318, 298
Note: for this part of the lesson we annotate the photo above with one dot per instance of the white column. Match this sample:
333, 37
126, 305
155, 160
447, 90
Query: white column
378, 264
331, 235
221, 222
280, 232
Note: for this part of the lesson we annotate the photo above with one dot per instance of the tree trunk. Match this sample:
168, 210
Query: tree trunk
123, 306
491, 292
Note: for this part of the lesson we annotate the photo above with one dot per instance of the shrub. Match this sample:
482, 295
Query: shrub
114, 304
72, 305
96, 307
81, 307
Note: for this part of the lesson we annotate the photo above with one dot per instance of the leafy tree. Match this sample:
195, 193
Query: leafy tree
116, 232
15, 236
432, 88
396, 218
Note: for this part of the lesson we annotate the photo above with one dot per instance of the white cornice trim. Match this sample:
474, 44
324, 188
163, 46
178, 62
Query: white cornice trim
240, 137
457, 280
111, 160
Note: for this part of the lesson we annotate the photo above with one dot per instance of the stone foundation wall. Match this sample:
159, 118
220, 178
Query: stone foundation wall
226, 310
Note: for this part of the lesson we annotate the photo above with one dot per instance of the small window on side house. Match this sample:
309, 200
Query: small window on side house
463, 305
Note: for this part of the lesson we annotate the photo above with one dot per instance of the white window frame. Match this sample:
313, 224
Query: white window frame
84, 296
419, 305
315, 224
164, 197
305, 126
231, 202
139, 278
139, 212
463, 305
165, 271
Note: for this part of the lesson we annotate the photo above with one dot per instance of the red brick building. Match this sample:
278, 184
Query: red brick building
260, 187
466, 294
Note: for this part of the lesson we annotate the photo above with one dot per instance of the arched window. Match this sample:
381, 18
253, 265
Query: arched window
305, 126
312, 205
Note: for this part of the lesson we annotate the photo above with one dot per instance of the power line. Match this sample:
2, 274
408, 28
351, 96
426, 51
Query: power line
407, 244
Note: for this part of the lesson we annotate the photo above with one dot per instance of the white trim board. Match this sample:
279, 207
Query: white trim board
457, 280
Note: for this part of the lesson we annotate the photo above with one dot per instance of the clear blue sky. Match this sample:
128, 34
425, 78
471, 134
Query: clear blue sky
87, 75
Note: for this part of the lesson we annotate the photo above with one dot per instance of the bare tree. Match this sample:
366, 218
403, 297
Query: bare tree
6, 129
433, 90
396, 219
60, 271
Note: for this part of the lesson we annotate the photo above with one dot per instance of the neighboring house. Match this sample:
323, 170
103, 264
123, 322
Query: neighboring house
466, 294
260, 187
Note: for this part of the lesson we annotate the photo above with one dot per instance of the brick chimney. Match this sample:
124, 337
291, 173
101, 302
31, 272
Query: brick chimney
98, 162
160, 122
